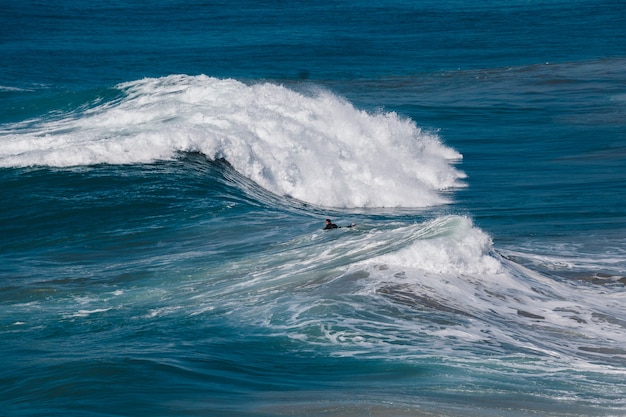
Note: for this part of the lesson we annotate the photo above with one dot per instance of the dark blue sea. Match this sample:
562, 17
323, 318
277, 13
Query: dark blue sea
167, 166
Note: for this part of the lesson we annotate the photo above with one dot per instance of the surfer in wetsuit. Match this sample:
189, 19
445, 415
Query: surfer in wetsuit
331, 225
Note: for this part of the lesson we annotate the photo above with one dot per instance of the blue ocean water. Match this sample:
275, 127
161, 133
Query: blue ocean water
167, 167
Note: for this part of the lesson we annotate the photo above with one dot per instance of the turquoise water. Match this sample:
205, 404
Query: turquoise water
167, 167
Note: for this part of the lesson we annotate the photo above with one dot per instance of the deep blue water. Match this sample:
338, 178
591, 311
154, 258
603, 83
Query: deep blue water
167, 167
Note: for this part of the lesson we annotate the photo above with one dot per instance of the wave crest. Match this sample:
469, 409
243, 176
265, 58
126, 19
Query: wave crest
315, 147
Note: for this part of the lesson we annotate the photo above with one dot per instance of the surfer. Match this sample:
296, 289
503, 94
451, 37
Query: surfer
331, 225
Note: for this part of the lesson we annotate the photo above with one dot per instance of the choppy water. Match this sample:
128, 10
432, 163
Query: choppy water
166, 170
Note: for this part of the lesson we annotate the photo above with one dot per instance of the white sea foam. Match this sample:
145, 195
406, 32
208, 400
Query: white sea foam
315, 147
447, 245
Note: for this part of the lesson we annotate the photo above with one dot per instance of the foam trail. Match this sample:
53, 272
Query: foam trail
317, 148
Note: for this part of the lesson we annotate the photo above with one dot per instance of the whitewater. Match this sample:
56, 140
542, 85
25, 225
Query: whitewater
313, 146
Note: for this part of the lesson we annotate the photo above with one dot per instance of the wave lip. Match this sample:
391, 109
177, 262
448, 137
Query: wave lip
315, 147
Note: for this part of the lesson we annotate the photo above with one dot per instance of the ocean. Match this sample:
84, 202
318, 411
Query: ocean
167, 168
